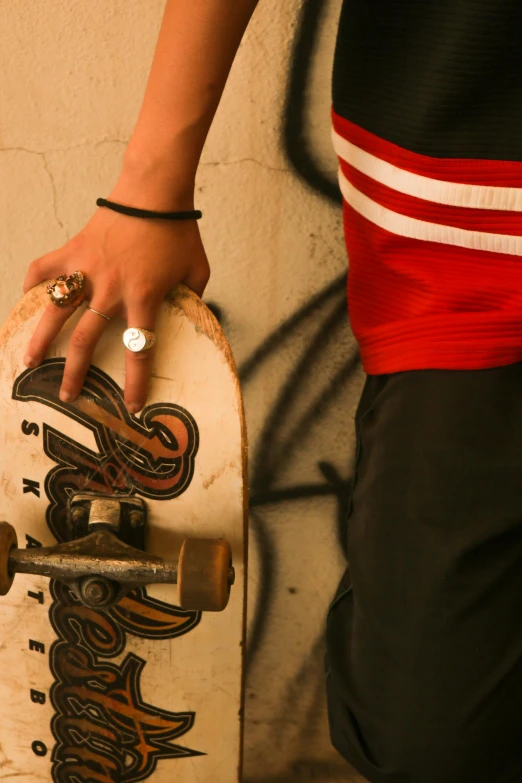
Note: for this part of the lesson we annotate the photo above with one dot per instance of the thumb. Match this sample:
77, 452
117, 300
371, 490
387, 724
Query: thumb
197, 278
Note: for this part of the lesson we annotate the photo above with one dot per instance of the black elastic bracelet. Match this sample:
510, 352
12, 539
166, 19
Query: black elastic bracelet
193, 214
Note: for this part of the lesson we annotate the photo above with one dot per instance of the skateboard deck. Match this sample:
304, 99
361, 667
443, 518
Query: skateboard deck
142, 690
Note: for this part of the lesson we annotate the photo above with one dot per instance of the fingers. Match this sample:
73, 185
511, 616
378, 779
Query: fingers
138, 366
48, 328
84, 337
81, 347
90, 327
82, 343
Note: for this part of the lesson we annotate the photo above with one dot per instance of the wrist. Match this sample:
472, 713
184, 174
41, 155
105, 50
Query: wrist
154, 183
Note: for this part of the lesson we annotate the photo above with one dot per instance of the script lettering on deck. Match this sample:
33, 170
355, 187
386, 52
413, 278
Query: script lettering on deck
104, 730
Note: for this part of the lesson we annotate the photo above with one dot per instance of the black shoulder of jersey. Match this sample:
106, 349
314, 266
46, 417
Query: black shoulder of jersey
438, 77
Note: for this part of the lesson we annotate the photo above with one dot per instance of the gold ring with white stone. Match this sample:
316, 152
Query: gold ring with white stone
137, 340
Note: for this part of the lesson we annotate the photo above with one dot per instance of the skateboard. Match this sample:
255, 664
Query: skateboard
122, 559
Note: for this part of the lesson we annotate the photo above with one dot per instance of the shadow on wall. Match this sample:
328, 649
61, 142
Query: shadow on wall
312, 398
309, 400
327, 312
282, 433
296, 145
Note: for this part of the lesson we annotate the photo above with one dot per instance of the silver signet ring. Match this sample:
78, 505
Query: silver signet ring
137, 340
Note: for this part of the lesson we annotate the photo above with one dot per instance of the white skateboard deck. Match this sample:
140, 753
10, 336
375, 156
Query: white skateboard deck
145, 691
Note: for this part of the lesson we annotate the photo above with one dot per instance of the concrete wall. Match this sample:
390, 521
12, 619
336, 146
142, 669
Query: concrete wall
73, 76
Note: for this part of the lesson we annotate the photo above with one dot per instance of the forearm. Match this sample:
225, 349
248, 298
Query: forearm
195, 50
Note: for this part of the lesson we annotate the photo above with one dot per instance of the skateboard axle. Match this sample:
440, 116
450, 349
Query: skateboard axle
100, 567
99, 553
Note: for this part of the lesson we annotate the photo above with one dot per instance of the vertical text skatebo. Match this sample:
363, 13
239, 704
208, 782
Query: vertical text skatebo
101, 677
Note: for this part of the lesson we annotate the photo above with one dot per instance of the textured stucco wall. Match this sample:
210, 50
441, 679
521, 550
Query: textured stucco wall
73, 76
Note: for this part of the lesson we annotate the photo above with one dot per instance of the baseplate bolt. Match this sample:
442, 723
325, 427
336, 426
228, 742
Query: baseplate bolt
96, 591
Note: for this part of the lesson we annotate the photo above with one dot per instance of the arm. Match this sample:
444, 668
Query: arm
196, 46
130, 263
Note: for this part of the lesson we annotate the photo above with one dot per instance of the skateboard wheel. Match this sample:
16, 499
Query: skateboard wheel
8, 540
204, 574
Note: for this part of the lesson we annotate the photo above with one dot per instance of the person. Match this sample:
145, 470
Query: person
424, 638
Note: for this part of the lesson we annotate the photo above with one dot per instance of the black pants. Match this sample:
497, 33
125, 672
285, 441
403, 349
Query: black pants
424, 635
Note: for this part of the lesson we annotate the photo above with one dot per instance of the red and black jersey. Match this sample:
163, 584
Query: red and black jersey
427, 124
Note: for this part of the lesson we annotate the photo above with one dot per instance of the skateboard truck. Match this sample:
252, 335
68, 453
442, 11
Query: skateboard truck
100, 567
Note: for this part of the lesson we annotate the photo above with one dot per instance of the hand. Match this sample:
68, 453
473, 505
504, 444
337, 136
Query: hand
130, 264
